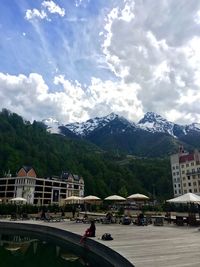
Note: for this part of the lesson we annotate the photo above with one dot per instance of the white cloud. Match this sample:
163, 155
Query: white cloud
35, 13
30, 97
53, 8
151, 47
156, 44
47, 7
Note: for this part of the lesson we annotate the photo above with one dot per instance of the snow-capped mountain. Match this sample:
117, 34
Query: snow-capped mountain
91, 125
151, 122
152, 135
195, 127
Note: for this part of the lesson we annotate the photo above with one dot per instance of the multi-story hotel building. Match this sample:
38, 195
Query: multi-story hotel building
40, 191
185, 168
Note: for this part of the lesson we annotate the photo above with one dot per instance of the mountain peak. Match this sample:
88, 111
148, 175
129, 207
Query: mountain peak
112, 116
84, 128
153, 122
151, 117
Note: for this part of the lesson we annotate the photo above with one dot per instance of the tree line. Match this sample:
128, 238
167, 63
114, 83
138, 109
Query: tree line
104, 172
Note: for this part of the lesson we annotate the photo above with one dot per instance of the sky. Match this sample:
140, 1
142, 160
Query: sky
73, 60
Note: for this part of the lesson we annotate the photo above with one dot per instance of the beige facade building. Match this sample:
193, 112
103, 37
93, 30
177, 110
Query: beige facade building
185, 168
40, 191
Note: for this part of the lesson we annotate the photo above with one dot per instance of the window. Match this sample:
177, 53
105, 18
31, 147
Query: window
189, 184
182, 166
187, 165
192, 163
183, 172
175, 192
188, 177
184, 185
195, 190
194, 183
173, 168
177, 173
11, 181
3, 188
76, 186
177, 167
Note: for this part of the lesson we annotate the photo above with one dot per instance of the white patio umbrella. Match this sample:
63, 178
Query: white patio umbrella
91, 199
73, 199
186, 198
138, 197
18, 200
115, 198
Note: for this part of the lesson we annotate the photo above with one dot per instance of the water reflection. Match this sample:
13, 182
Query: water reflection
19, 250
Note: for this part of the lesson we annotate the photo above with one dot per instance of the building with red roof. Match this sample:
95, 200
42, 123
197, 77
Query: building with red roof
185, 169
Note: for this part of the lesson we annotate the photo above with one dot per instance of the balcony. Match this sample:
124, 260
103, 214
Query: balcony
193, 172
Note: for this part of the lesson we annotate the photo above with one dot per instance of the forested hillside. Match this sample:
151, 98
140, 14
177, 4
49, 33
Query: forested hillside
25, 143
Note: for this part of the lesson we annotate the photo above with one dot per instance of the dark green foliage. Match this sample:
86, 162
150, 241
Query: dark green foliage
23, 143
138, 142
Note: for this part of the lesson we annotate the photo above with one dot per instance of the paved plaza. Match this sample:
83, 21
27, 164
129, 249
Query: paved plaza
152, 246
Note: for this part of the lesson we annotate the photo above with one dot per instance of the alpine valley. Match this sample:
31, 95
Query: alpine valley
114, 155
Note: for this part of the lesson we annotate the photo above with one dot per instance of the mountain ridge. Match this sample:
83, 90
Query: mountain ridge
152, 136
151, 122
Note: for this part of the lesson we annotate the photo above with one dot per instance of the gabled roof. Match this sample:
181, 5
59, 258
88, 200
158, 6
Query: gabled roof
65, 175
27, 168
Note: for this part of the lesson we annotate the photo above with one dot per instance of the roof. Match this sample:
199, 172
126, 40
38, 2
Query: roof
185, 158
186, 198
27, 168
65, 175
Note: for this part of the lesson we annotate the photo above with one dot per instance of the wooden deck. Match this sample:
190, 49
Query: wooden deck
152, 246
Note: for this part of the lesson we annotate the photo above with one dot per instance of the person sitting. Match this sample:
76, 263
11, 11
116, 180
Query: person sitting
141, 219
108, 218
90, 232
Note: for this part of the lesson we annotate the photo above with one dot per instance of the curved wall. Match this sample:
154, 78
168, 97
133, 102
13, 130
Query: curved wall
109, 255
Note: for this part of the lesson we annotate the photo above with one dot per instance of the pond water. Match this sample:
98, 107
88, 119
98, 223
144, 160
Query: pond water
22, 250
